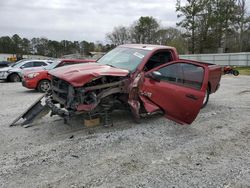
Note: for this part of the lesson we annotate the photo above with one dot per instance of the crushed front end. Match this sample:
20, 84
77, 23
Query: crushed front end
96, 98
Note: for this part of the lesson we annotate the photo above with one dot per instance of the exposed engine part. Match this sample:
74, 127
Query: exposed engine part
90, 98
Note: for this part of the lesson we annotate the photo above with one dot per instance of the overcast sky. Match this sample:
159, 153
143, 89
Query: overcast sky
78, 19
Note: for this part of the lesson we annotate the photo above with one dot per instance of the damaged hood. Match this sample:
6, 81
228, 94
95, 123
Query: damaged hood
78, 75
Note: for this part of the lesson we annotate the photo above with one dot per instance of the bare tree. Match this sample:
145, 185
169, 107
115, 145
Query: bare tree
118, 36
242, 22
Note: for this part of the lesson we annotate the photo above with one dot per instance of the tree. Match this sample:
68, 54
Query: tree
242, 22
211, 24
145, 30
42, 46
118, 36
224, 17
26, 46
172, 37
17, 43
190, 12
6, 45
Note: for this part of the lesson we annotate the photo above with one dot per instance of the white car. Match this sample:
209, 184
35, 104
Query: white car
14, 72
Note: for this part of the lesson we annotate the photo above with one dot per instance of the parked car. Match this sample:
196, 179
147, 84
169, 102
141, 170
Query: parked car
147, 79
40, 79
14, 72
4, 64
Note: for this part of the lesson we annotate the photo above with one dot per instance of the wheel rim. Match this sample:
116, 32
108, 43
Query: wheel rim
16, 78
45, 86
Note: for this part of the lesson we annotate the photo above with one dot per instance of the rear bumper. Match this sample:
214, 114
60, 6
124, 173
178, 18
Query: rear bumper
30, 84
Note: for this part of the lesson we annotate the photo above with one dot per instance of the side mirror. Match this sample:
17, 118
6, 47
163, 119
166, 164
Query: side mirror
155, 75
21, 67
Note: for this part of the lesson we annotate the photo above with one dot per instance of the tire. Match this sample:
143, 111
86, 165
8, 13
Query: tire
44, 86
14, 78
235, 73
206, 98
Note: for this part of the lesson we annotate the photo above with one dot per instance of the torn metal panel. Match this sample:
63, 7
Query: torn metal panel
35, 111
148, 105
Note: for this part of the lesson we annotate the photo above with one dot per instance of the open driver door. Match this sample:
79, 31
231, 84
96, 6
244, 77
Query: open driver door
177, 88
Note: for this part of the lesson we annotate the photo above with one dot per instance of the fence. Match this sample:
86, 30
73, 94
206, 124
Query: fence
237, 59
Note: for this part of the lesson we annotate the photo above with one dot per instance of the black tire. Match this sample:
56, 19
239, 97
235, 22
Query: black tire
235, 73
205, 101
14, 78
44, 86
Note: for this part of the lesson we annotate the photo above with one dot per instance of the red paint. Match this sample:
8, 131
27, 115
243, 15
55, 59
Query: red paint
179, 103
32, 83
78, 75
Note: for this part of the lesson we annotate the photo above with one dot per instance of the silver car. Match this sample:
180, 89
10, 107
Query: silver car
14, 72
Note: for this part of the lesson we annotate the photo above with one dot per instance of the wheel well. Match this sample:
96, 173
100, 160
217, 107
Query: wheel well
209, 87
8, 78
41, 81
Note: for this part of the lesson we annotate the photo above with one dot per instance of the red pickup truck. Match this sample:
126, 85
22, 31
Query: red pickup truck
40, 79
147, 79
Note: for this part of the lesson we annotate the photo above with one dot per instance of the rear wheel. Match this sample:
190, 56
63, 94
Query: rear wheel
206, 98
235, 72
44, 86
14, 78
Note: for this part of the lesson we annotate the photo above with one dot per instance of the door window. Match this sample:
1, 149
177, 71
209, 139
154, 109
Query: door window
192, 75
27, 65
185, 74
39, 64
66, 63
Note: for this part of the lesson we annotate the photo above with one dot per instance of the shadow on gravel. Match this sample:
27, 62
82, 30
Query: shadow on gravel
53, 129
28, 91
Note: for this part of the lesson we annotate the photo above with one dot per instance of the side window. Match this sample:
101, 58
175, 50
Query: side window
65, 63
39, 64
69, 63
192, 75
185, 74
158, 59
170, 73
27, 65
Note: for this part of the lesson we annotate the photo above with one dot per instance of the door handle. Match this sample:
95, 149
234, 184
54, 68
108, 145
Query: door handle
192, 96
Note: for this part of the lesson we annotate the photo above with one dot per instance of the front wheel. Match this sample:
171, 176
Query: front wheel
235, 73
14, 78
206, 98
44, 86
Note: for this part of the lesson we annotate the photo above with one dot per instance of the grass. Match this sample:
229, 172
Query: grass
243, 70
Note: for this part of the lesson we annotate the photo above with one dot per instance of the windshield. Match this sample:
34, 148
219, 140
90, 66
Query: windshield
124, 58
16, 64
52, 65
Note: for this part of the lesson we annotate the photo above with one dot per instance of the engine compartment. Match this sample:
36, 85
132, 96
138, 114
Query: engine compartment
99, 92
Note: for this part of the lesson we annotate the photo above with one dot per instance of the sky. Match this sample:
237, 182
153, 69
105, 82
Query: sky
78, 19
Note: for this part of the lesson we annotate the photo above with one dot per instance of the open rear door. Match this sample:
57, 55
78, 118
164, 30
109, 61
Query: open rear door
178, 88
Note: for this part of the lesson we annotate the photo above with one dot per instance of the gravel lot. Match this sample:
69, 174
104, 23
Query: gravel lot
213, 152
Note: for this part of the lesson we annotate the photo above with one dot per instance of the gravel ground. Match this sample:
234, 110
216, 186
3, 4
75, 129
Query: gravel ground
212, 152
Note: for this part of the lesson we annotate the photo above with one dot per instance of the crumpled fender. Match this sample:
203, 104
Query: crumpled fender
135, 95
149, 106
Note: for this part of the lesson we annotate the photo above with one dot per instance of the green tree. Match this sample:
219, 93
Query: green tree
189, 13
145, 30
26, 46
6, 45
172, 37
242, 24
17, 44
